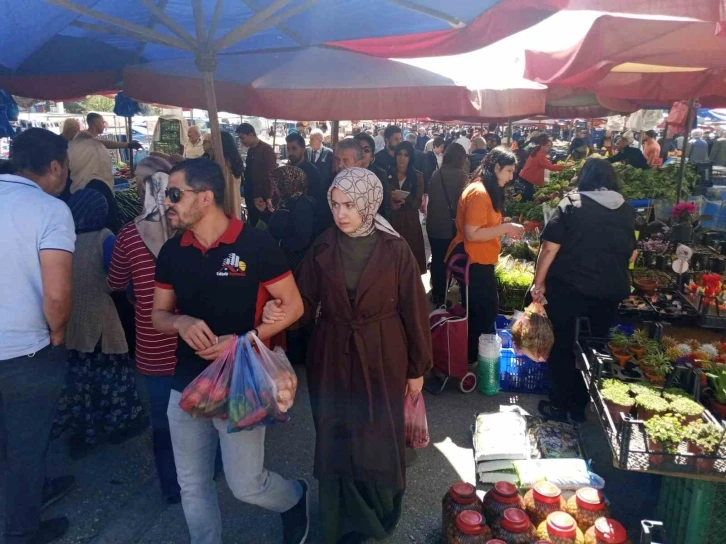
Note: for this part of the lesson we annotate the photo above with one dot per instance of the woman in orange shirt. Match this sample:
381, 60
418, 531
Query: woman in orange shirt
478, 229
533, 172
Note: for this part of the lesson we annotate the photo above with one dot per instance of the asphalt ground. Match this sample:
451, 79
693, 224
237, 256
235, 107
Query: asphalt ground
117, 499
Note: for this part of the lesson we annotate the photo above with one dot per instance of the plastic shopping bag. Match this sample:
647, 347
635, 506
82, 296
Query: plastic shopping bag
207, 395
532, 333
276, 364
417, 429
255, 398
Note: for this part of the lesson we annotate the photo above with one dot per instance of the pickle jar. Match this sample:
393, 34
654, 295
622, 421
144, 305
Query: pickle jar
560, 528
500, 497
586, 506
461, 497
606, 531
514, 527
471, 528
542, 500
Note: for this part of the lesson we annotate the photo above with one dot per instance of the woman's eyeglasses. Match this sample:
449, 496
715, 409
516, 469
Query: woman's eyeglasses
366, 149
174, 194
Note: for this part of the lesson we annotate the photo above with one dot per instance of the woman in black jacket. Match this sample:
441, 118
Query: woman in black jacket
583, 270
292, 222
628, 155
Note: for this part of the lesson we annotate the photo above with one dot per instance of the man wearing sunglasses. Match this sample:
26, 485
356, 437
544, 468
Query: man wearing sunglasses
211, 284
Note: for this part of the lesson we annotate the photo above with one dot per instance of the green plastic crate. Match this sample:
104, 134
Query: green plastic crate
693, 511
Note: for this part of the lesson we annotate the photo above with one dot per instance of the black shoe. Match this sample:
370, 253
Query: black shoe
296, 521
548, 411
578, 416
55, 489
50, 530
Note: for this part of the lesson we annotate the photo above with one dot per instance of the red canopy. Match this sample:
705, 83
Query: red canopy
654, 61
706, 10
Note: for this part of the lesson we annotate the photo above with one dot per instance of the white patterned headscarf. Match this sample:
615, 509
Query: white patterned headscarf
365, 190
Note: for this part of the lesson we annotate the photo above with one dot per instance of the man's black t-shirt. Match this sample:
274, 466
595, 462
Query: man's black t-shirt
596, 243
224, 285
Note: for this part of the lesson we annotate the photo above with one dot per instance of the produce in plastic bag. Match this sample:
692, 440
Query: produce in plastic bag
278, 366
207, 395
417, 429
532, 333
254, 394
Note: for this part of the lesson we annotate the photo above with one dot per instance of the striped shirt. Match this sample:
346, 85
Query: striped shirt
132, 263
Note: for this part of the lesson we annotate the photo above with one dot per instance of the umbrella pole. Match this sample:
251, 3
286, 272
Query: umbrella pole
334, 132
687, 135
217, 141
129, 151
509, 130
274, 134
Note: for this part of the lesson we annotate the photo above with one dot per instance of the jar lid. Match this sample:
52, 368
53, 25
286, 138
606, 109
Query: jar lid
610, 531
561, 524
589, 499
470, 522
505, 492
515, 520
546, 492
463, 493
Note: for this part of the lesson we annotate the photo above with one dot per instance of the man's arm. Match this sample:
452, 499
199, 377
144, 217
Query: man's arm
287, 292
113, 144
194, 332
55, 270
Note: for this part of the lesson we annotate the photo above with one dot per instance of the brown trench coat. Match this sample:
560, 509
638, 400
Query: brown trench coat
360, 358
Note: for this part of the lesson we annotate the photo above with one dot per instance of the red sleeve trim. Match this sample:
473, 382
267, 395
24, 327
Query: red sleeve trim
163, 286
278, 278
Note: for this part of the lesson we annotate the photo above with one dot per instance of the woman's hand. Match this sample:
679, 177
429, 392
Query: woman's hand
272, 312
538, 292
396, 203
513, 230
414, 386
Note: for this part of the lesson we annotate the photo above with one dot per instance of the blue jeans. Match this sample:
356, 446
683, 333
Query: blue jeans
243, 454
29, 390
158, 389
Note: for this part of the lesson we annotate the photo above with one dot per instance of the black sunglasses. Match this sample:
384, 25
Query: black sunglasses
366, 149
174, 194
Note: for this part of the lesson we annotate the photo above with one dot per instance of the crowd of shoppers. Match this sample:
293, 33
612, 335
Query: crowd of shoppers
332, 251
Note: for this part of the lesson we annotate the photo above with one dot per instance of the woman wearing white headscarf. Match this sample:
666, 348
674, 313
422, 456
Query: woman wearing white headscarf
132, 266
371, 347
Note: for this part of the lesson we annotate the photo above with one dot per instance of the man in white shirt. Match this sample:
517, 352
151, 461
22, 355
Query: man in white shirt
35, 305
464, 141
193, 149
379, 141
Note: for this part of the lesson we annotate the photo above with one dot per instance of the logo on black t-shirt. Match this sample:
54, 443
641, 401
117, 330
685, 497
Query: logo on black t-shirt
232, 266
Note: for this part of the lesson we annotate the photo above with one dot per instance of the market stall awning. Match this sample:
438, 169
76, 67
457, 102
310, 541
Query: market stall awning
327, 83
630, 46
55, 49
651, 62
573, 104
713, 11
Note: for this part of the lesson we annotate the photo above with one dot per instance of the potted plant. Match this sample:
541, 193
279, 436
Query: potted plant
618, 400
638, 341
673, 393
613, 383
642, 389
703, 439
689, 409
664, 435
656, 366
650, 406
619, 345
717, 375
683, 216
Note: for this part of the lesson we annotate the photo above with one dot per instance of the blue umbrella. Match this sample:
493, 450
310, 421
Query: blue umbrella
56, 49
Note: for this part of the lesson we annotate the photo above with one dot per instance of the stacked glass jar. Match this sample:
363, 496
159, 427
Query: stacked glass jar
500, 497
461, 497
542, 500
586, 506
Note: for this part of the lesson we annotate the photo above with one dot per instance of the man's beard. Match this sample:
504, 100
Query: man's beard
185, 221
